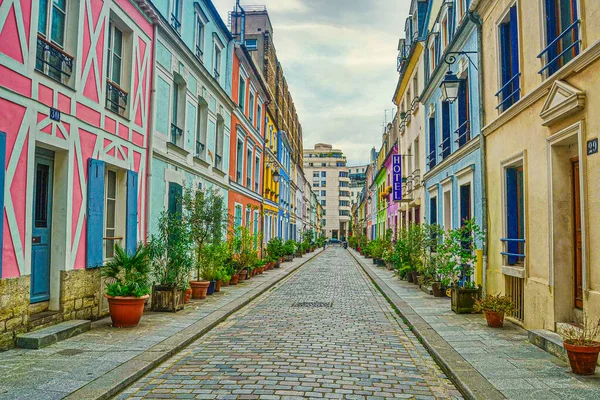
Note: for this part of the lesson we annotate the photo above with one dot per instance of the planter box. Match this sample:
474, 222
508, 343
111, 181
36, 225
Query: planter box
463, 300
289, 257
167, 298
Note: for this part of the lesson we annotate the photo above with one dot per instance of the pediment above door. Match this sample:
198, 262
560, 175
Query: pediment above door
562, 101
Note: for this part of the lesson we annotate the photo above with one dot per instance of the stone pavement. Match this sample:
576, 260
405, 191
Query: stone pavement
101, 362
503, 358
325, 333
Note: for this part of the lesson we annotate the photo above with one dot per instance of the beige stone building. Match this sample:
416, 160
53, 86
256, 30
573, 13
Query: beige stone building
325, 167
540, 68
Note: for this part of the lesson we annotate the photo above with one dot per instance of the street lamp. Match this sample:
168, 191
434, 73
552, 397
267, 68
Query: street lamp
276, 177
369, 200
450, 86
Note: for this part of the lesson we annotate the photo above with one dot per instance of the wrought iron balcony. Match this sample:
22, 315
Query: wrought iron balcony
218, 161
176, 135
199, 53
200, 149
431, 159
238, 177
445, 148
553, 48
416, 177
52, 61
463, 133
175, 23
116, 98
509, 93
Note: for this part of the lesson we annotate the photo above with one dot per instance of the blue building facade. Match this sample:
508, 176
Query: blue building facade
283, 156
453, 179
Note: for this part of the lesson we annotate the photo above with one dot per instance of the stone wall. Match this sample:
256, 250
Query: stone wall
14, 309
80, 294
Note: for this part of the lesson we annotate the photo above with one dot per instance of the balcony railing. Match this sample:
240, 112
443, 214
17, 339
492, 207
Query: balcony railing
248, 183
553, 47
199, 53
53, 61
463, 133
116, 98
416, 177
218, 161
217, 74
175, 23
431, 159
514, 257
200, 149
256, 186
445, 148
238, 177
507, 100
176, 135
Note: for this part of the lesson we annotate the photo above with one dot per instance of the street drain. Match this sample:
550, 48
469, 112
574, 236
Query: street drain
313, 304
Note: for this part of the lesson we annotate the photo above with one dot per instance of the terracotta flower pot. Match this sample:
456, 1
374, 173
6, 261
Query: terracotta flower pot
225, 283
261, 270
211, 288
188, 295
437, 289
495, 319
583, 359
199, 289
243, 274
234, 279
218, 286
126, 312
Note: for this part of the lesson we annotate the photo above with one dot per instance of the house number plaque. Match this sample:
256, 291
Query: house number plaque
592, 146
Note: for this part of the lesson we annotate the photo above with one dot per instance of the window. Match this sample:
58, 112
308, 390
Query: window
431, 59
202, 126
509, 61
259, 119
255, 229
251, 107
110, 218
344, 184
116, 98
344, 203
242, 94
445, 145
323, 193
340, 164
247, 223
416, 85
217, 62
240, 161
323, 203
199, 37
176, 9
343, 174
324, 221
219, 142
431, 158
447, 210
323, 164
176, 131
257, 173
562, 35
463, 132
249, 168
316, 174
323, 183
51, 58
315, 184
344, 213
465, 203
445, 37
514, 242
251, 44
416, 159
323, 174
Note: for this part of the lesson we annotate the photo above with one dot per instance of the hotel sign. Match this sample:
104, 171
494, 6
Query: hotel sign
397, 177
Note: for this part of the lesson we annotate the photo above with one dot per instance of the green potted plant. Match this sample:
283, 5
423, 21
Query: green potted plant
288, 250
275, 250
494, 306
212, 259
456, 263
432, 234
127, 285
205, 214
171, 262
244, 251
582, 345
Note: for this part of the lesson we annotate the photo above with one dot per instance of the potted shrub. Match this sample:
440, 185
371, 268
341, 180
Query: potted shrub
582, 346
432, 234
288, 251
127, 285
212, 259
204, 214
245, 254
456, 263
275, 250
494, 307
170, 255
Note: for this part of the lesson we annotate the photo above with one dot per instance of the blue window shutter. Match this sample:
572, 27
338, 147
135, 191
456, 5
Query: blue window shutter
95, 213
432, 143
514, 54
433, 211
551, 34
505, 63
512, 204
462, 113
446, 142
2, 183
131, 222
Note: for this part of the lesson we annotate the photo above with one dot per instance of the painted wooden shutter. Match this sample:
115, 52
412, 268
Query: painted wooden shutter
131, 222
446, 142
95, 213
512, 207
175, 194
433, 211
462, 113
505, 63
551, 34
2, 183
432, 143
514, 54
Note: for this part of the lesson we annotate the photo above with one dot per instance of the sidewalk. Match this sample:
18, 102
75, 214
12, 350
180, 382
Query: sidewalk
485, 363
99, 363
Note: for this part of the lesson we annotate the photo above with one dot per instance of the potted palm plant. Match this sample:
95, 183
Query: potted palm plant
494, 307
582, 345
127, 285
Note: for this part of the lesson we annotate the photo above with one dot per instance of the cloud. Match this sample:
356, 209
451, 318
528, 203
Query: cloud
339, 59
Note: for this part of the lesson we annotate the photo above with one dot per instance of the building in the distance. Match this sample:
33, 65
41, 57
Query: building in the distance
358, 178
326, 169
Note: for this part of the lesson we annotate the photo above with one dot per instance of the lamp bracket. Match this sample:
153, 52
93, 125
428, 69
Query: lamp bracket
450, 57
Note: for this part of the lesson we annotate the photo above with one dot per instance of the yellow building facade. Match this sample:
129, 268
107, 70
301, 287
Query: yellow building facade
540, 68
271, 188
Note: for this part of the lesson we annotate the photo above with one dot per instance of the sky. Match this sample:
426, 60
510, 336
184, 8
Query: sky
339, 59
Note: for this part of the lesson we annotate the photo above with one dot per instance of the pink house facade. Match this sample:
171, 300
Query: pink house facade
393, 208
75, 106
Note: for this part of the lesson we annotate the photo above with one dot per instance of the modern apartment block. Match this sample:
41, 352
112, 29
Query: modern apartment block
358, 178
325, 167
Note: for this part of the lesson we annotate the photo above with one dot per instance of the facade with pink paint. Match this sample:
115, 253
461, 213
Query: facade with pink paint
393, 207
75, 112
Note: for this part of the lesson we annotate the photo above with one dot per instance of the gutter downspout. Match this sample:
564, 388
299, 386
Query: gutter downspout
476, 19
243, 22
150, 146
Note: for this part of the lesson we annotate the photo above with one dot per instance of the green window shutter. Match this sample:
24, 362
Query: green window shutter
175, 195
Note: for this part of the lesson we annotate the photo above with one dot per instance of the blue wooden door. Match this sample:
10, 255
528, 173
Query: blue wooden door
42, 226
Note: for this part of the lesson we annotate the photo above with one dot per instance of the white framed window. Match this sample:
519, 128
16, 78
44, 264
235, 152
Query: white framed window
114, 211
249, 159
259, 117
202, 127
176, 12
217, 49
257, 172
242, 94
219, 140
51, 57
199, 36
240, 161
251, 106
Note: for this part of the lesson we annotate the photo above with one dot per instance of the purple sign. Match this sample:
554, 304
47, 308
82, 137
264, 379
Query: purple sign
397, 176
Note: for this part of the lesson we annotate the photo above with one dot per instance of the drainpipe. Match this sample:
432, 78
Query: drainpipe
150, 140
476, 19
243, 22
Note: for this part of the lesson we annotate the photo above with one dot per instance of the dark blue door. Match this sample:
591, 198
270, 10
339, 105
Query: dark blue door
42, 226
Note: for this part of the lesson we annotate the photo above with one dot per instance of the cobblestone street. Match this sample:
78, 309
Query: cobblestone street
325, 332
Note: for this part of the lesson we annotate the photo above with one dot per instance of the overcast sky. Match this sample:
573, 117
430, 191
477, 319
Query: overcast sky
339, 59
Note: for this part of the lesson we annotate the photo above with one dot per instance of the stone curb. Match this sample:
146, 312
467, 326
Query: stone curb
465, 377
116, 380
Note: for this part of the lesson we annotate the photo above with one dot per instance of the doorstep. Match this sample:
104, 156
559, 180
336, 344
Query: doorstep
98, 364
52, 334
548, 341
